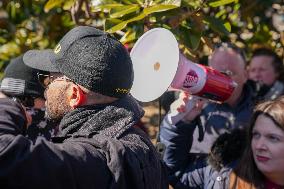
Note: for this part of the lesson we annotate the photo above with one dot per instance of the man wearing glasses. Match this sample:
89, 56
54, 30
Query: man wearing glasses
20, 83
98, 144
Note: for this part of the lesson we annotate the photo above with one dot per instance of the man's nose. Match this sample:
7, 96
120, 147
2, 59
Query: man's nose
257, 76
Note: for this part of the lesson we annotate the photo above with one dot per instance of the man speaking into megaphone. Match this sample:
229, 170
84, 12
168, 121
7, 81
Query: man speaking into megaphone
200, 127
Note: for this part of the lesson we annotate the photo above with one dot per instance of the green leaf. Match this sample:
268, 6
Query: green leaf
129, 2
128, 37
220, 13
107, 7
190, 37
13, 10
227, 25
265, 28
8, 50
120, 11
172, 2
194, 40
123, 24
68, 4
158, 8
158, 1
111, 22
51, 4
139, 17
234, 16
117, 27
237, 6
194, 4
2, 40
67, 21
221, 3
217, 25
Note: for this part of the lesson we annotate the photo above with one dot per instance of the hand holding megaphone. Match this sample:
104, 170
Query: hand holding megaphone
187, 107
202, 82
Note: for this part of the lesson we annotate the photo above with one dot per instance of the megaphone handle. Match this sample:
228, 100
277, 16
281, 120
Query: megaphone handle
174, 116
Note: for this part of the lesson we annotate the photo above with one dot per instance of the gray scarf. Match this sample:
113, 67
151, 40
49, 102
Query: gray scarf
107, 119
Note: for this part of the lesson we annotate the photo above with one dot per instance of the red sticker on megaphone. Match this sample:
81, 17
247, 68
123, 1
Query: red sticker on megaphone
191, 79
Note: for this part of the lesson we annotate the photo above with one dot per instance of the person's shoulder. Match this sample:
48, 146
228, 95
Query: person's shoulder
76, 147
136, 136
279, 87
8, 102
237, 182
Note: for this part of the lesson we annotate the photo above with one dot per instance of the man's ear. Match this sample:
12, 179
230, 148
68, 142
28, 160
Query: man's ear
77, 96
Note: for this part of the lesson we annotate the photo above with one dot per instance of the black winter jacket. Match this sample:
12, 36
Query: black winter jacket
98, 147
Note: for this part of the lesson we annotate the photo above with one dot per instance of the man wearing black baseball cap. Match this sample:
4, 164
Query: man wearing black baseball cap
98, 145
20, 82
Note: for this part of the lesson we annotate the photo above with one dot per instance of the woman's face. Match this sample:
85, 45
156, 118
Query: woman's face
268, 147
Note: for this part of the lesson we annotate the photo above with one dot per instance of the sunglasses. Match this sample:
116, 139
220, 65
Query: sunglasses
46, 80
25, 101
227, 73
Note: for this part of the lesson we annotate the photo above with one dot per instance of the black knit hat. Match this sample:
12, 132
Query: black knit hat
21, 80
91, 58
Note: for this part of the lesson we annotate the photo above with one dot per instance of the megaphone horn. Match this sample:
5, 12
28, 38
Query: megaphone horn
159, 66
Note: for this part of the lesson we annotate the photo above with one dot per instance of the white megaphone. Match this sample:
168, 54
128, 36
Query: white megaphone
159, 66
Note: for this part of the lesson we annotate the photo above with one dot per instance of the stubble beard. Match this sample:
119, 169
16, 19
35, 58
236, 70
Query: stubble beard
57, 105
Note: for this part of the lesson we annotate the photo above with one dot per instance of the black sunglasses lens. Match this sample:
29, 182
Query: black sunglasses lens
44, 80
25, 101
28, 102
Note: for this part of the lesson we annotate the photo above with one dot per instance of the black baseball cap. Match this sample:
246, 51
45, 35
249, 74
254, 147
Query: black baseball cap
89, 57
20, 80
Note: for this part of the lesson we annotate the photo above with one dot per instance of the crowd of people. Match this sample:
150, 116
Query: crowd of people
67, 120
233, 144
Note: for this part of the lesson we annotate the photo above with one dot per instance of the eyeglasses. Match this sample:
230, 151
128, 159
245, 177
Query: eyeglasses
46, 80
227, 73
25, 101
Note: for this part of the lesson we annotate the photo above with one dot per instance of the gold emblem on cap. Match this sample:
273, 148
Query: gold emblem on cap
57, 49
119, 90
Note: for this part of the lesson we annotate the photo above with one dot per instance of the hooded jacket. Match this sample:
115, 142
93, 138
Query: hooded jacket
97, 147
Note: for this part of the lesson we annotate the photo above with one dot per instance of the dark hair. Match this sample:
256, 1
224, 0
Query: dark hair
246, 168
227, 148
277, 63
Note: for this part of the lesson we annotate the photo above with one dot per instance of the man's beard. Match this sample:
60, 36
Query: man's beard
57, 105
